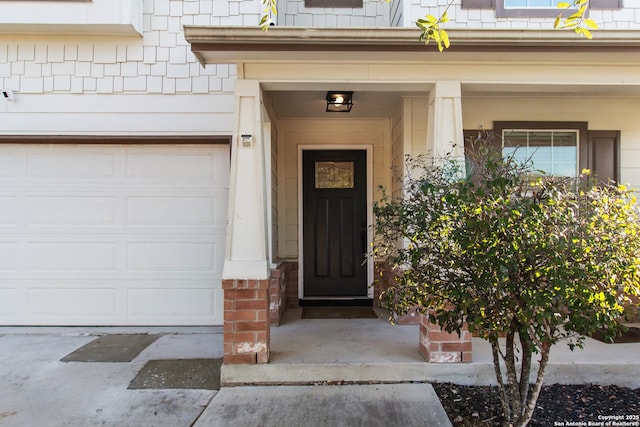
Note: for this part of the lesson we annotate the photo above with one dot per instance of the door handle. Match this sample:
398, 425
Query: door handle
363, 236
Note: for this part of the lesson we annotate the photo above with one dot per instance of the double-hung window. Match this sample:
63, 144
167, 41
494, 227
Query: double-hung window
557, 148
551, 152
528, 8
533, 8
553, 148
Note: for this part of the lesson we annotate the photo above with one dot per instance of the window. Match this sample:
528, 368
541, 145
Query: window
560, 148
532, 8
528, 8
552, 152
334, 174
555, 148
517, 4
333, 3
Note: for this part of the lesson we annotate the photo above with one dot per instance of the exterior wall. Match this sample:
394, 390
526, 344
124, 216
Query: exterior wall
418, 125
602, 113
626, 18
94, 17
48, 73
293, 133
274, 192
399, 123
293, 13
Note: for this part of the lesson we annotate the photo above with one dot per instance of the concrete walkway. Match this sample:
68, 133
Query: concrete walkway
335, 372
384, 405
372, 350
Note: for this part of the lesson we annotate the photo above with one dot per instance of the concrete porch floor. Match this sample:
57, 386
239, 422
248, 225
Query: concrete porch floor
336, 351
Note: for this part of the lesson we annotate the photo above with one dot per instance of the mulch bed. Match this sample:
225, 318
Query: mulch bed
557, 404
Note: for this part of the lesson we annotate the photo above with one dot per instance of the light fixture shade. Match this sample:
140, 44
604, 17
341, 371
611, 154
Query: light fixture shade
339, 102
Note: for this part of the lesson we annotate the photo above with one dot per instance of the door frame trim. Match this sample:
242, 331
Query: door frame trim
368, 148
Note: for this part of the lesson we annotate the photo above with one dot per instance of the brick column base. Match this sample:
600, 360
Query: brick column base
438, 346
384, 278
277, 295
246, 321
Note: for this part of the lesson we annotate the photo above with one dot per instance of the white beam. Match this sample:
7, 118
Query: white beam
246, 251
445, 137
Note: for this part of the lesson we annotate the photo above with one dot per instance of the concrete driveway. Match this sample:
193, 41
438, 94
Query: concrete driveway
40, 390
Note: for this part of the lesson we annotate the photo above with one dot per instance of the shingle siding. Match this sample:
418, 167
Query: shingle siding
159, 62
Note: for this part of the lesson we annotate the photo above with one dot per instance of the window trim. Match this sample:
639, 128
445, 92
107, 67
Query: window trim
530, 155
581, 127
334, 3
529, 12
496, 4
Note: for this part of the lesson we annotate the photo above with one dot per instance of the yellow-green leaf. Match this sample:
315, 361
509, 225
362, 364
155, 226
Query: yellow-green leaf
436, 36
445, 38
589, 22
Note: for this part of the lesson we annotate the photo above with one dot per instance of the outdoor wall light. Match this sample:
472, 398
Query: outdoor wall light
8, 94
339, 102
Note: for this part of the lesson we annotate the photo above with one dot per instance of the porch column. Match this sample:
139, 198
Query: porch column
444, 131
246, 271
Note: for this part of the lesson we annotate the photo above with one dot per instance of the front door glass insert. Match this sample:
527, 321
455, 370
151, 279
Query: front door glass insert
333, 174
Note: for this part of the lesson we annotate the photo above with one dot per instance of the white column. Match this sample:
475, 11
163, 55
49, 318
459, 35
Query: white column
444, 131
246, 251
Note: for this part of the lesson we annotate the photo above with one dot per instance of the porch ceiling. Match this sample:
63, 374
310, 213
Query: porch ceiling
311, 104
374, 102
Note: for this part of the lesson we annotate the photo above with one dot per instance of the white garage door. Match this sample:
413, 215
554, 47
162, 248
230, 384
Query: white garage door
112, 234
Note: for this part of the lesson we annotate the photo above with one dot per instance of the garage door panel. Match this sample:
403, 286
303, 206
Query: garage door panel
171, 210
165, 256
169, 165
71, 256
65, 163
10, 302
8, 210
9, 256
8, 162
72, 303
182, 303
112, 234
78, 210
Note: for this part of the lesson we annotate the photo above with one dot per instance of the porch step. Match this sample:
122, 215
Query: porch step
596, 370
355, 373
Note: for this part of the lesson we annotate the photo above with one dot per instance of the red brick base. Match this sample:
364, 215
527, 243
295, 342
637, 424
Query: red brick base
277, 295
246, 321
291, 284
438, 346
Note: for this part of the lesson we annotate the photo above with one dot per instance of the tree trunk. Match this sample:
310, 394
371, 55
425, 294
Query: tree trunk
537, 387
512, 376
506, 409
525, 371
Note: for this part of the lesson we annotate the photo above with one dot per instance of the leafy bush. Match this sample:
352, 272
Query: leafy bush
533, 260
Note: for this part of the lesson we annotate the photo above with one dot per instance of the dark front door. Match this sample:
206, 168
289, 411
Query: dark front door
334, 223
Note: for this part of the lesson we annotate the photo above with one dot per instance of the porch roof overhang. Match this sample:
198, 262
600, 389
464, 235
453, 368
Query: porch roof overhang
234, 45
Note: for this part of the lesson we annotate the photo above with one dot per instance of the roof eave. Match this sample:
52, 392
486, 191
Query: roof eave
246, 44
